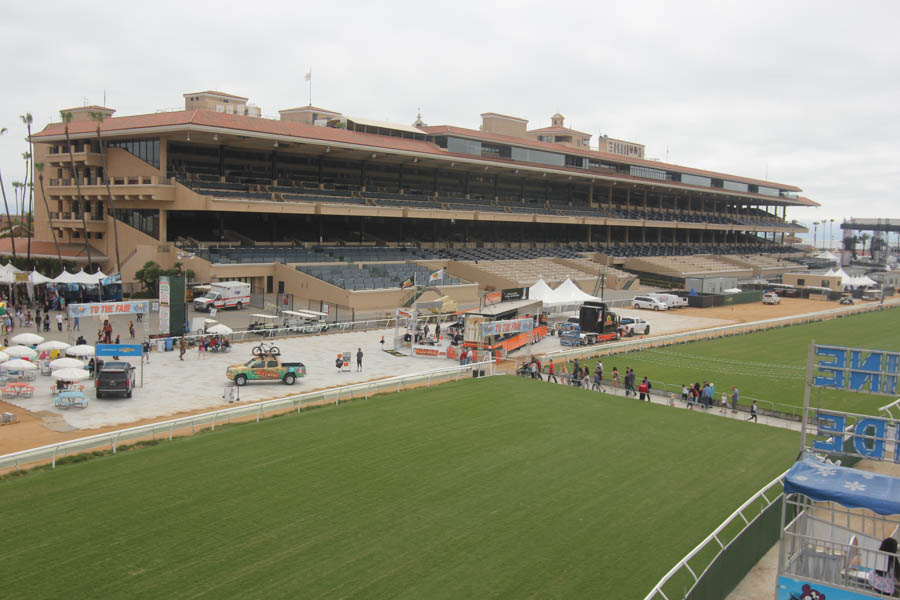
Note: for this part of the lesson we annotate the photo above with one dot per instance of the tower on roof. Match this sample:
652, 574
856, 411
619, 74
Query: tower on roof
220, 102
419, 122
557, 120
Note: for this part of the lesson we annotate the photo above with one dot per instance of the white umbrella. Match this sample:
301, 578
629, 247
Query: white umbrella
4, 356
66, 363
70, 374
51, 345
20, 352
80, 350
18, 364
220, 329
27, 339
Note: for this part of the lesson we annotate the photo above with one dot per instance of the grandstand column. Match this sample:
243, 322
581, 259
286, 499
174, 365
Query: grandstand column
627, 234
362, 176
400, 178
163, 230
321, 161
589, 227
643, 235
496, 195
163, 158
608, 234
659, 235
273, 166
435, 182
609, 198
221, 163
645, 200
466, 185
591, 195
627, 198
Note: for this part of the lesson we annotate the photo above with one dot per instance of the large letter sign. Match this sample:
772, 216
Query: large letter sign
857, 370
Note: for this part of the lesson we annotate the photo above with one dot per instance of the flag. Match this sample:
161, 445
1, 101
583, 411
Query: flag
439, 274
407, 283
308, 76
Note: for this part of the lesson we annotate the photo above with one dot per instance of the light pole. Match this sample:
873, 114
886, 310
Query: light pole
815, 232
830, 233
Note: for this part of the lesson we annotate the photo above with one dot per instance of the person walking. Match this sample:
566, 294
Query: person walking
685, 394
735, 396
182, 348
59, 321
754, 412
131, 329
359, 357
76, 323
724, 401
201, 349
551, 372
145, 347
644, 390
616, 377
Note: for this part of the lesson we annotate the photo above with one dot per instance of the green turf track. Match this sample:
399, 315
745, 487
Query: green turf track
769, 365
492, 488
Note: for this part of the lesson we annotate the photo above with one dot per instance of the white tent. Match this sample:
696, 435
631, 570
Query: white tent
846, 280
65, 277
7, 277
84, 279
36, 278
540, 291
10, 268
827, 256
569, 293
100, 276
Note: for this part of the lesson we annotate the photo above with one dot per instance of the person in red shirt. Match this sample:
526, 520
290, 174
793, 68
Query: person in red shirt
551, 372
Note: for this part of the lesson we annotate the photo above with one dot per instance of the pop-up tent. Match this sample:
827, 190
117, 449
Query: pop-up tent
540, 291
568, 293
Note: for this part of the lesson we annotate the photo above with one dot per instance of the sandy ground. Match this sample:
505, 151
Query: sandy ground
175, 388
172, 386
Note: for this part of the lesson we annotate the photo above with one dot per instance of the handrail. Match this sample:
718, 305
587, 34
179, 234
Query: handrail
714, 536
53, 451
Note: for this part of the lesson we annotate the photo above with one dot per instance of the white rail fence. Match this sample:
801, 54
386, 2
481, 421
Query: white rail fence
257, 411
747, 512
712, 332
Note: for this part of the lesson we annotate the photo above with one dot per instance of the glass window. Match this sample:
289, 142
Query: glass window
735, 186
647, 173
147, 149
767, 191
461, 146
696, 180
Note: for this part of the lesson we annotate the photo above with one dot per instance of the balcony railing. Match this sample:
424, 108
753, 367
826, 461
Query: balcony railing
128, 180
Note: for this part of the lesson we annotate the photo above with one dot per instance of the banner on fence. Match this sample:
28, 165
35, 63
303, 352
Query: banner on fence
504, 327
97, 309
118, 350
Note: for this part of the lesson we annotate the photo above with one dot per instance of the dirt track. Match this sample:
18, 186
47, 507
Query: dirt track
37, 429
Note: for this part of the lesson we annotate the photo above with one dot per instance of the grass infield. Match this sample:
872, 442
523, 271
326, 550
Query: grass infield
769, 365
494, 488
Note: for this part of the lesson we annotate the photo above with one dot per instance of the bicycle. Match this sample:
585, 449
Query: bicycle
266, 349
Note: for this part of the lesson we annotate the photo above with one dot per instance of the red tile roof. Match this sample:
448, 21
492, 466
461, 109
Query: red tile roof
89, 107
472, 133
560, 129
242, 123
214, 93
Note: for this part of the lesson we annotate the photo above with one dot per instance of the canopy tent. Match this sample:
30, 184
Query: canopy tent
35, 278
827, 256
64, 277
568, 292
846, 280
84, 279
540, 291
852, 488
7, 277
10, 268
99, 276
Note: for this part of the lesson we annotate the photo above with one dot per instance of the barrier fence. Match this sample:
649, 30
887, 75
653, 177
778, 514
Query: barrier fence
713, 332
256, 410
684, 577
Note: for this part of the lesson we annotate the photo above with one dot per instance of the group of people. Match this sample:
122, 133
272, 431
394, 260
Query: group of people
705, 396
207, 343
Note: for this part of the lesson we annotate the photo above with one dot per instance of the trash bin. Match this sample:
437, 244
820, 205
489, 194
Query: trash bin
232, 392
160, 345
169, 344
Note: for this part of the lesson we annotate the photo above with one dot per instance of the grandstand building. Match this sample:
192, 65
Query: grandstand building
287, 203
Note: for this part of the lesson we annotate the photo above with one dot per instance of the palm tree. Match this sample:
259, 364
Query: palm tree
12, 240
28, 120
66, 119
98, 116
864, 237
39, 167
17, 185
26, 156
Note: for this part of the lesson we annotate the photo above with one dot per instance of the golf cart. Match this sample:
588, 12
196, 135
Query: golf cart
264, 325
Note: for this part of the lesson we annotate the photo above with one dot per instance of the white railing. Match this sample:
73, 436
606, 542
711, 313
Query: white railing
712, 332
256, 410
776, 486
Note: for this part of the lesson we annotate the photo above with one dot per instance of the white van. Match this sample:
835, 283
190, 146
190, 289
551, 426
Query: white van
224, 294
671, 299
648, 302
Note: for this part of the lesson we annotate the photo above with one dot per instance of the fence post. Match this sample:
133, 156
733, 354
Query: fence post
53, 460
215, 415
258, 410
171, 427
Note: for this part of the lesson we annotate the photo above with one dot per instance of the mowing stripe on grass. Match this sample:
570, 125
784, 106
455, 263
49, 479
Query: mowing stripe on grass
502, 487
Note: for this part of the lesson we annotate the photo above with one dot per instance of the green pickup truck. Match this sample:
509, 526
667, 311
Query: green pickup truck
266, 368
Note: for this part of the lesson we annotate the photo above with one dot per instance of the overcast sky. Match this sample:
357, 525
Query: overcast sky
806, 92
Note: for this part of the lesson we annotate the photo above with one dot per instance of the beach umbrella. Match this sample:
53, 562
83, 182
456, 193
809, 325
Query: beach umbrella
66, 363
52, 345
26, 339
4, 356
220, 329
70, 374
18, 364
80, 350
20, 352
